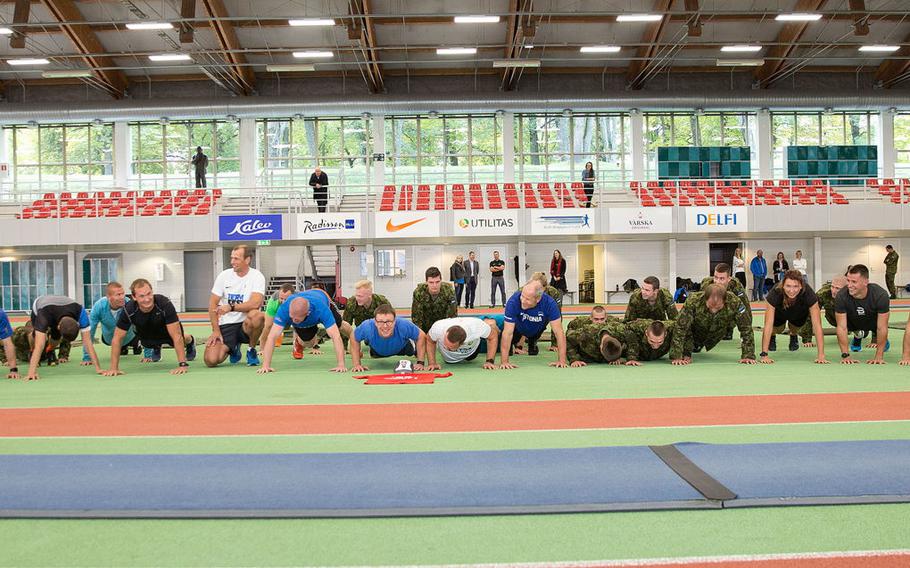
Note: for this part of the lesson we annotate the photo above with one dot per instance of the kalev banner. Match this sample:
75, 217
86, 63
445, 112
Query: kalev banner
249, 227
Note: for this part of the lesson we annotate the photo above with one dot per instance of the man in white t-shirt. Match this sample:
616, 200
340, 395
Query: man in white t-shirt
234, 310
461, 339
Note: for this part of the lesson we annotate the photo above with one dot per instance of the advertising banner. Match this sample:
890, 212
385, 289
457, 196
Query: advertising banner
717, 219
641, 220
398, 224
485, 223
329, 226
562, 222
249, 227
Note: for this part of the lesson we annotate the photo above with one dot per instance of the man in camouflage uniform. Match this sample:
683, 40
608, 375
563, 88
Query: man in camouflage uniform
550, 291
723, 276
704, 321
21, 340
433, 300
648, 340
651, 302
596, 343
598, 315
364, 303
826, 295
891, 270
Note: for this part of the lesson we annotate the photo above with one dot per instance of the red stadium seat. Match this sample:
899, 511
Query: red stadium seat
458, 197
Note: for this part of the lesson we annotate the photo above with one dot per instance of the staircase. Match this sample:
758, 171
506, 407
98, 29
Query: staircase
322, 264
354, 203
275, 283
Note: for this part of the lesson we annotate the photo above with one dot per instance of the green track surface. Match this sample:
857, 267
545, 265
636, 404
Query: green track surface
454, 540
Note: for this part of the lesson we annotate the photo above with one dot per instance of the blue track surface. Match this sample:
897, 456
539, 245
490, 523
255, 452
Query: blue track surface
446, 483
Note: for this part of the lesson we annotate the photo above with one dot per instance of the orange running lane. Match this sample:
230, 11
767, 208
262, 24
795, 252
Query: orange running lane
452, 417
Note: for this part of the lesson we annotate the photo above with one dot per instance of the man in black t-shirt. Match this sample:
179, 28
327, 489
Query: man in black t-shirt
155, 320
497, 268
790, 304
58, 319
862, 308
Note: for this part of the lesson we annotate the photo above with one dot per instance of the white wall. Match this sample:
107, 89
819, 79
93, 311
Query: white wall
692, 260
141, 264
837, 254
638, 260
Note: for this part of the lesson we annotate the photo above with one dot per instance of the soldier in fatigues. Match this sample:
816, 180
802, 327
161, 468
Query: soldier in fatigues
651, 302
891, 270
550, 291
704, 321
596, 343
722, 276
364, 303
826, 296
648, 340
433, 300
598, 315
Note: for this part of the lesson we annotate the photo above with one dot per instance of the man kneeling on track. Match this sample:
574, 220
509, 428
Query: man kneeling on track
388, 336
462, 339
155, 320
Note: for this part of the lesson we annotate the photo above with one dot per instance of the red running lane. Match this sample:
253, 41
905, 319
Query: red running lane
452, 417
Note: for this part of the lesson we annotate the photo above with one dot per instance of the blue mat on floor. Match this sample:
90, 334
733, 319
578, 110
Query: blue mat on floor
452, 483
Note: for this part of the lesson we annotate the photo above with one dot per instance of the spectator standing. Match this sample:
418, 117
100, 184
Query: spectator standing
739, 266
801, 264
587, 178
456, 275
891, 270
319, 181
200, 163
558, 272
780, 267
471, 271
759, 269
497, 267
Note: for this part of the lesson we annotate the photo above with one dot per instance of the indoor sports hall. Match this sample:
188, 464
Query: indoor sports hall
374, 283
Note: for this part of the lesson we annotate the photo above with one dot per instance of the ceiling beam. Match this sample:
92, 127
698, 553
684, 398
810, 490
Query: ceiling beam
520, 26
649, 38
112, 80
891, 69
243, 74
786, 41
187, 12
363, 32
20, 16
694, 21
860, 18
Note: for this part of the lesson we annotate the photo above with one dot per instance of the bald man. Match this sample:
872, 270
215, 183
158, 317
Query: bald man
528, 313
304, 311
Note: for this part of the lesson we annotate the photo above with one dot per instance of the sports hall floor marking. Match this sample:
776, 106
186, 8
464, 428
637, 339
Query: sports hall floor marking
454, 417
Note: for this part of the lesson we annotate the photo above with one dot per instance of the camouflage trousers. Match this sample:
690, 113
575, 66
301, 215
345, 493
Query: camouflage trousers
24, 350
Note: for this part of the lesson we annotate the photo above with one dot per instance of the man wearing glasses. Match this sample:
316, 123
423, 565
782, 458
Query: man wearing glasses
388, 336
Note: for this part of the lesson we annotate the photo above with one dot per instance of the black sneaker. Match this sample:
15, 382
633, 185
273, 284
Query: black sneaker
137, 350
729, 335
794, 343
124, 350
696, 348
532, 348
772, 345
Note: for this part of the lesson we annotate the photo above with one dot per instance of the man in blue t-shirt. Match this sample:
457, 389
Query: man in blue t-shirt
527, 314
304, 311
388, 337
105, 313
6, 338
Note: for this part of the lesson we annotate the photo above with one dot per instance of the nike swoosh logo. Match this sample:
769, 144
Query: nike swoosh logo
395, 228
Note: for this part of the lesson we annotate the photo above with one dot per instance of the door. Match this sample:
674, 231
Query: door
198, 277
721, 252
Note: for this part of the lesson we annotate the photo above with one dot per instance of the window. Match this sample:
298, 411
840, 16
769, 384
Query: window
22, 281
819, 129
289, 150
697, 129
69, 157
902, 145
445, 149
390, 262
162, 153
96, 273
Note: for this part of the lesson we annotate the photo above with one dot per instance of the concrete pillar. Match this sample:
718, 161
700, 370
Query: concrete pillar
123, 154
73, 289
819, 278
765, 149
522, 261
248, 156
886, 152
671, 265
637, 125
371, 263
377, 131
218, 258
508, 147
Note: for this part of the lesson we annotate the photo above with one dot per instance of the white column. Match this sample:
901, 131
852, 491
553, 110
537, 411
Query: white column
817, 264
765, 150
218, 259
248, 155
73, 290
637, 124
123, 153
508, 147
886, 152
522, 261
371, 263
671, 265
377, 131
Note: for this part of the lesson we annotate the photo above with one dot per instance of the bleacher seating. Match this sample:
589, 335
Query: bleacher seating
88, 205
706, 193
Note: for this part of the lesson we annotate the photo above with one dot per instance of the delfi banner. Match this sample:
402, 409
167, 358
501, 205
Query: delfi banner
397, 224
717, 219
329, 226
249, 227
490, 223
562, 222
641, 221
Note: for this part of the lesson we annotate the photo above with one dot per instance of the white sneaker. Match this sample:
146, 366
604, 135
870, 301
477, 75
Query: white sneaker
404, 366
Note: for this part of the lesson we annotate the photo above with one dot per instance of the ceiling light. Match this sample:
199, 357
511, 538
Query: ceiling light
880, 48
740, 62
32, 124
639, 18
600, 49
164, 121
66, 74
313, 54
516, 63
98, 122
529, 47
6, 31
798, 17
290, 68
27, 61
312, 22
456, 51
170, 57
150, 26
741, 48
476, 19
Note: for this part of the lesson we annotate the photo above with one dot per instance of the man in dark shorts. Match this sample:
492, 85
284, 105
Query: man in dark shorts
155, 320
56, 319
304, 311
528, 313
234, 311
791, 303
388, 336
864, 309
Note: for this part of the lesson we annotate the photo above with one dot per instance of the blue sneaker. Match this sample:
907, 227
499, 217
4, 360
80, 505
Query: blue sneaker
147, 352
191, 350
887, 345
156, 354
252, 358
235, 355
857, 344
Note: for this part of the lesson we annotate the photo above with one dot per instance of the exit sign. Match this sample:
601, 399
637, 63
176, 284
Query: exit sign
263, 243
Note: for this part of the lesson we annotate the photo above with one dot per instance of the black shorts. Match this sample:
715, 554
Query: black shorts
232, 334
408, 350
133, 343
308, 333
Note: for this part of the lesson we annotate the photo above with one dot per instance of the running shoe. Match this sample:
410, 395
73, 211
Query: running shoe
156, 354
235, 355
252, 358
298, 351
857, 344
191, 350
772, 345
